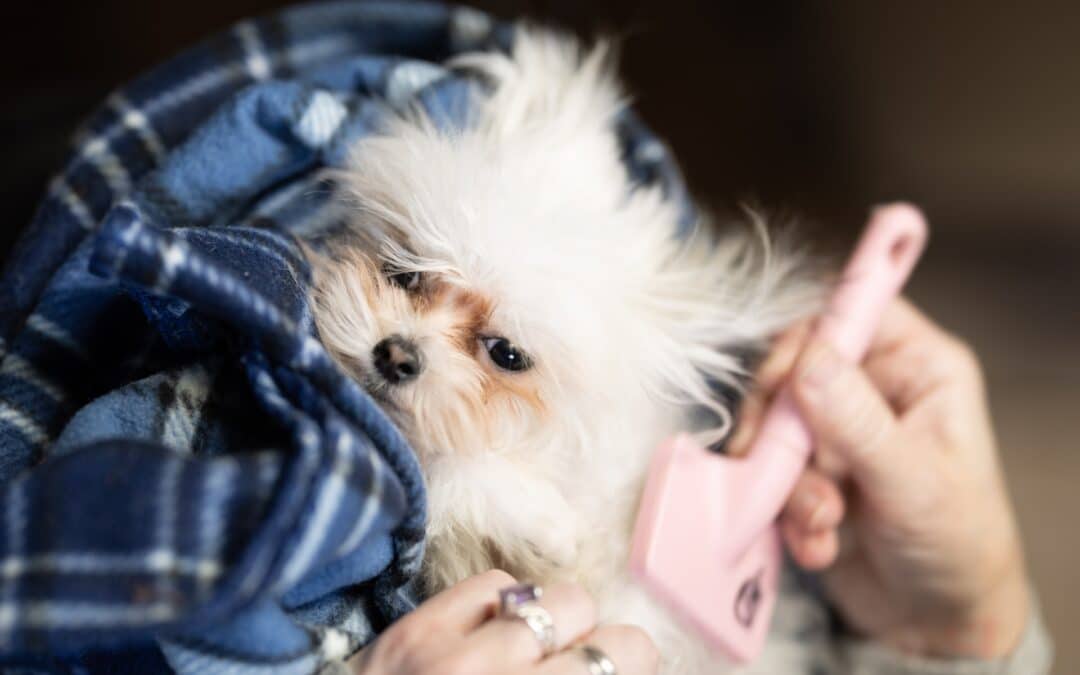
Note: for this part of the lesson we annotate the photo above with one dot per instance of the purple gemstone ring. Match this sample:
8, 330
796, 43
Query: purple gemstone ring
512, 597
519, 602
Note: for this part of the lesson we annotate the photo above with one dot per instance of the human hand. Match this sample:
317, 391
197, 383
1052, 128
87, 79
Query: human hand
903, 508
456, 633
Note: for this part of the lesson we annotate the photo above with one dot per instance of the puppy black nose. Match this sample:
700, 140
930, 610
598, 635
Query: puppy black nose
397, 359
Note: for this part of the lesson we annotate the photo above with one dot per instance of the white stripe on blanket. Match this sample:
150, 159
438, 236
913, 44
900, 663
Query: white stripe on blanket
17, 366
33, 431
110, 563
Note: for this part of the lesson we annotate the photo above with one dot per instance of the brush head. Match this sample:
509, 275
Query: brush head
681, 553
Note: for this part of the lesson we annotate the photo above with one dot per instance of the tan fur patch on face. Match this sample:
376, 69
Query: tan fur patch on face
430, 296
473, 312
516, 386
466, 402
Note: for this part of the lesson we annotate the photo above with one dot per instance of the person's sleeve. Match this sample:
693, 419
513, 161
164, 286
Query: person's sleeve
1032, 656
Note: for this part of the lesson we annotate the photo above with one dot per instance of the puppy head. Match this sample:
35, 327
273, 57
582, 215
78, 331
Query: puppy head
432, 348
524, 297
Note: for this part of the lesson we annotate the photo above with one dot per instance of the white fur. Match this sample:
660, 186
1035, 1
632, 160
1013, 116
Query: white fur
531, 208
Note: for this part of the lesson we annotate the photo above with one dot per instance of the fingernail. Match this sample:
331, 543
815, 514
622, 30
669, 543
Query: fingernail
820, 367
818, 508
819, 516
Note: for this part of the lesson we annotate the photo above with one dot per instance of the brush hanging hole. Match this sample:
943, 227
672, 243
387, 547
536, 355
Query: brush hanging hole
899, 250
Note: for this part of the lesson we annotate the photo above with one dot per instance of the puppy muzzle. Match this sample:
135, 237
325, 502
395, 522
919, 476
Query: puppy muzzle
397, 359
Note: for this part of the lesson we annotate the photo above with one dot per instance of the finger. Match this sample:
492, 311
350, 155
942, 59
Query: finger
920, 369
910, 355
468, 604
829, 463
511, 640
767, 379
750, 414
900, 323
848, 416
630, 649
815, 504
813, 551
783, 354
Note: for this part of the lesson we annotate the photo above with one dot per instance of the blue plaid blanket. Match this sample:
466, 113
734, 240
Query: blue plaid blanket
187, 482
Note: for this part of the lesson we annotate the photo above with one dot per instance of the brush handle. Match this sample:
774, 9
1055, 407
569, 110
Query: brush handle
883, 259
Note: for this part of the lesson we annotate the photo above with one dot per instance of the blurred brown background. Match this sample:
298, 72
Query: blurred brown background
816, 108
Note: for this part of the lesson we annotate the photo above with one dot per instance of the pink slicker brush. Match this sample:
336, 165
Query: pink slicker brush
706, 542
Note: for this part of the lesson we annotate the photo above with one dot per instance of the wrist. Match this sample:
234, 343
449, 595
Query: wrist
989, 629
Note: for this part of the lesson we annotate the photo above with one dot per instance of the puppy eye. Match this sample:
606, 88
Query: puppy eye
505, 355
410, 281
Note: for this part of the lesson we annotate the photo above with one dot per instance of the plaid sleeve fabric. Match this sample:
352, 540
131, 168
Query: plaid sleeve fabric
187, 482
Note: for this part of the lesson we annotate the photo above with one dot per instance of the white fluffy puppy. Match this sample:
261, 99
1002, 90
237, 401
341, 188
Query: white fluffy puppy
537, 327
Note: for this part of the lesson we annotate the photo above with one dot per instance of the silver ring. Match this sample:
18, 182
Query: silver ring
520, 603
597, 661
